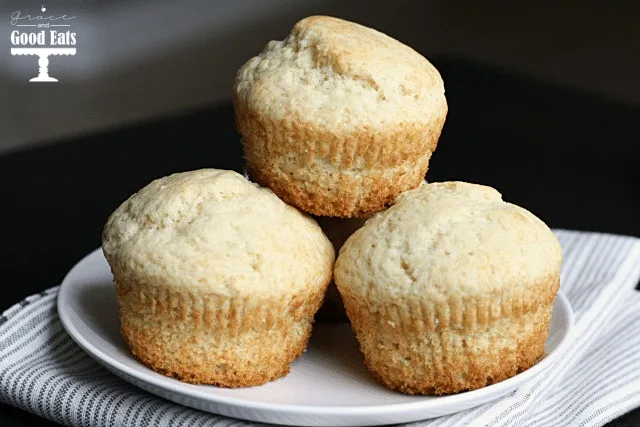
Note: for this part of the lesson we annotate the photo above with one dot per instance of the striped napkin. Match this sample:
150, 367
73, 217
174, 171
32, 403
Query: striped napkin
44, 372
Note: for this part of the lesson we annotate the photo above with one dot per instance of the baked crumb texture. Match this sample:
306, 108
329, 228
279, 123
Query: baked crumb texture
451, 289
338, 118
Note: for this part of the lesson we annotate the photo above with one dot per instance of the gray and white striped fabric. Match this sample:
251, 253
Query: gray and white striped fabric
43, 371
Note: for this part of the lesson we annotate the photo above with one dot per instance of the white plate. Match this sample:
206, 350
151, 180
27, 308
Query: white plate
328, 385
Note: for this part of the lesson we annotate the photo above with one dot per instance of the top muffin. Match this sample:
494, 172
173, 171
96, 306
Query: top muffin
338, 118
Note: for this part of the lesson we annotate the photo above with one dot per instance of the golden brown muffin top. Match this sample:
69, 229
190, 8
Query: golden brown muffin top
214, 230
340, 75
449, 238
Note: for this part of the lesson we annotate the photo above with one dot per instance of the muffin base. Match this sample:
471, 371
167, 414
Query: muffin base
209, 339
223, 370
449, 365
337, 193
457, 346
333, 172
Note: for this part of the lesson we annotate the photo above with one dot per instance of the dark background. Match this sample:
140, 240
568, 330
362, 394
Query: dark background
543, 105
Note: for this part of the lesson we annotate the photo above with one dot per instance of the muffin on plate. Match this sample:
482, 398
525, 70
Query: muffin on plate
338, 118
450, 289
217, 279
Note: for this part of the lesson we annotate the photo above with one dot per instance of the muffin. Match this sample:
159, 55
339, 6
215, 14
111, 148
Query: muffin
217, 279
338, 118
450, 289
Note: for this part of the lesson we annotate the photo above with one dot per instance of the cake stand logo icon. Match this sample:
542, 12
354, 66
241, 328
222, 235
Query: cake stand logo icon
42, 34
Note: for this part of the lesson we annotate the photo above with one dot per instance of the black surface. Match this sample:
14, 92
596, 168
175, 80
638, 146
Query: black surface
570, 158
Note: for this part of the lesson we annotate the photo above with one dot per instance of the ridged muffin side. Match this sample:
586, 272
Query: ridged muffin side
451, 289
417, 346
217, 279
211, 339
338, 119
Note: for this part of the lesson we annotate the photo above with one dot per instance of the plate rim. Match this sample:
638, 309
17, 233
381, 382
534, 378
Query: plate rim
284, 408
